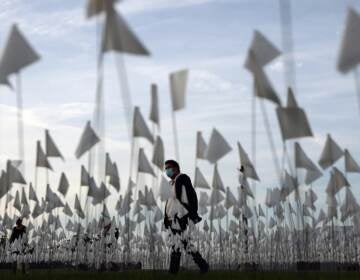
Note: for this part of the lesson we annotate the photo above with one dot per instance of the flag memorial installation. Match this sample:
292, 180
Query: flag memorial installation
265, 132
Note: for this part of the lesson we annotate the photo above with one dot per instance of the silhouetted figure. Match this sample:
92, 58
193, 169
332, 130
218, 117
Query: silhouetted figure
18, 231
179, 209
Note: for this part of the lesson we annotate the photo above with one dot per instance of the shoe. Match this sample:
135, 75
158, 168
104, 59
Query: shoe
201, 263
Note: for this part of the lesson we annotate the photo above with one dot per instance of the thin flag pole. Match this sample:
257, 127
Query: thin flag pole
253, 140
287, 43
20, 120
125, 90
176, 142
357, 85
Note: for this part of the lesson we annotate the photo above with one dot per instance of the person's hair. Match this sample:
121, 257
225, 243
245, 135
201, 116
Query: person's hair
19, 221
173, 163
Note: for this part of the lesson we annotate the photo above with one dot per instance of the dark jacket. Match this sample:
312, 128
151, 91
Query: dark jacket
17, 232
191, 205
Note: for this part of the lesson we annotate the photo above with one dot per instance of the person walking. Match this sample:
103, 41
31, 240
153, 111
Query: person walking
180, 211
18, 234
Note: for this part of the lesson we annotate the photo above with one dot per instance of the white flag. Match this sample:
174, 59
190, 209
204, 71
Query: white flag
95, 7
154, 107
217, 182
51, 148
218, 147
78, 208
331, 153
87, 141
248, 168
117, 36
140, 128
17, 54
158, 154
63, 184
200, 181
302, 160
293, 120
41, 159
349, 56
201, 146
178, 83
351, 165
144, 165
263, 49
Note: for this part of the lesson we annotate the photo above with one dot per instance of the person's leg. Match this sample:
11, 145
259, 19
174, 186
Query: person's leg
175, 257
198, 259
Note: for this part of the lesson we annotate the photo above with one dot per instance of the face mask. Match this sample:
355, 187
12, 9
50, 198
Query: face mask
169, 172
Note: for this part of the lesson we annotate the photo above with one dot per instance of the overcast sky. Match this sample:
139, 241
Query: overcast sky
210, 38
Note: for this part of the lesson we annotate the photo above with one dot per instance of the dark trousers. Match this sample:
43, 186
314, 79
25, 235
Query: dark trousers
175, 257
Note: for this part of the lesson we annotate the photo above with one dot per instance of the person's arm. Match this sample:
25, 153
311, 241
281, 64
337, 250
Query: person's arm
178, 186
185, 181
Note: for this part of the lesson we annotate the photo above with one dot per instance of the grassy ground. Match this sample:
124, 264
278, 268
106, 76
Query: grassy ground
144, 275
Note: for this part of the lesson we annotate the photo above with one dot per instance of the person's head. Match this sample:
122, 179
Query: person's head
172, 168
19, 222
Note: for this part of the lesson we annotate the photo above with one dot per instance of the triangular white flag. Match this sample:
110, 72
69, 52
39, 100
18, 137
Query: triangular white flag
144, 165
63, 184
312, 175
262, 86
200, 181
67, 210
331, 153
17, 54
4, 187
85, 177
87, 141
23, 197
158, 154
263, 49
248, 168
201, 146
302, 160
14, 174
293, 120
41, 159
17, 203
117, 36
78, 208
217, 182
51, 148
140, 128
230, 199
349, 56
32, 194
351, 165
218, 147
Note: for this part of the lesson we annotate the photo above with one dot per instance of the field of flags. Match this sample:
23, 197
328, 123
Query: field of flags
286, 229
